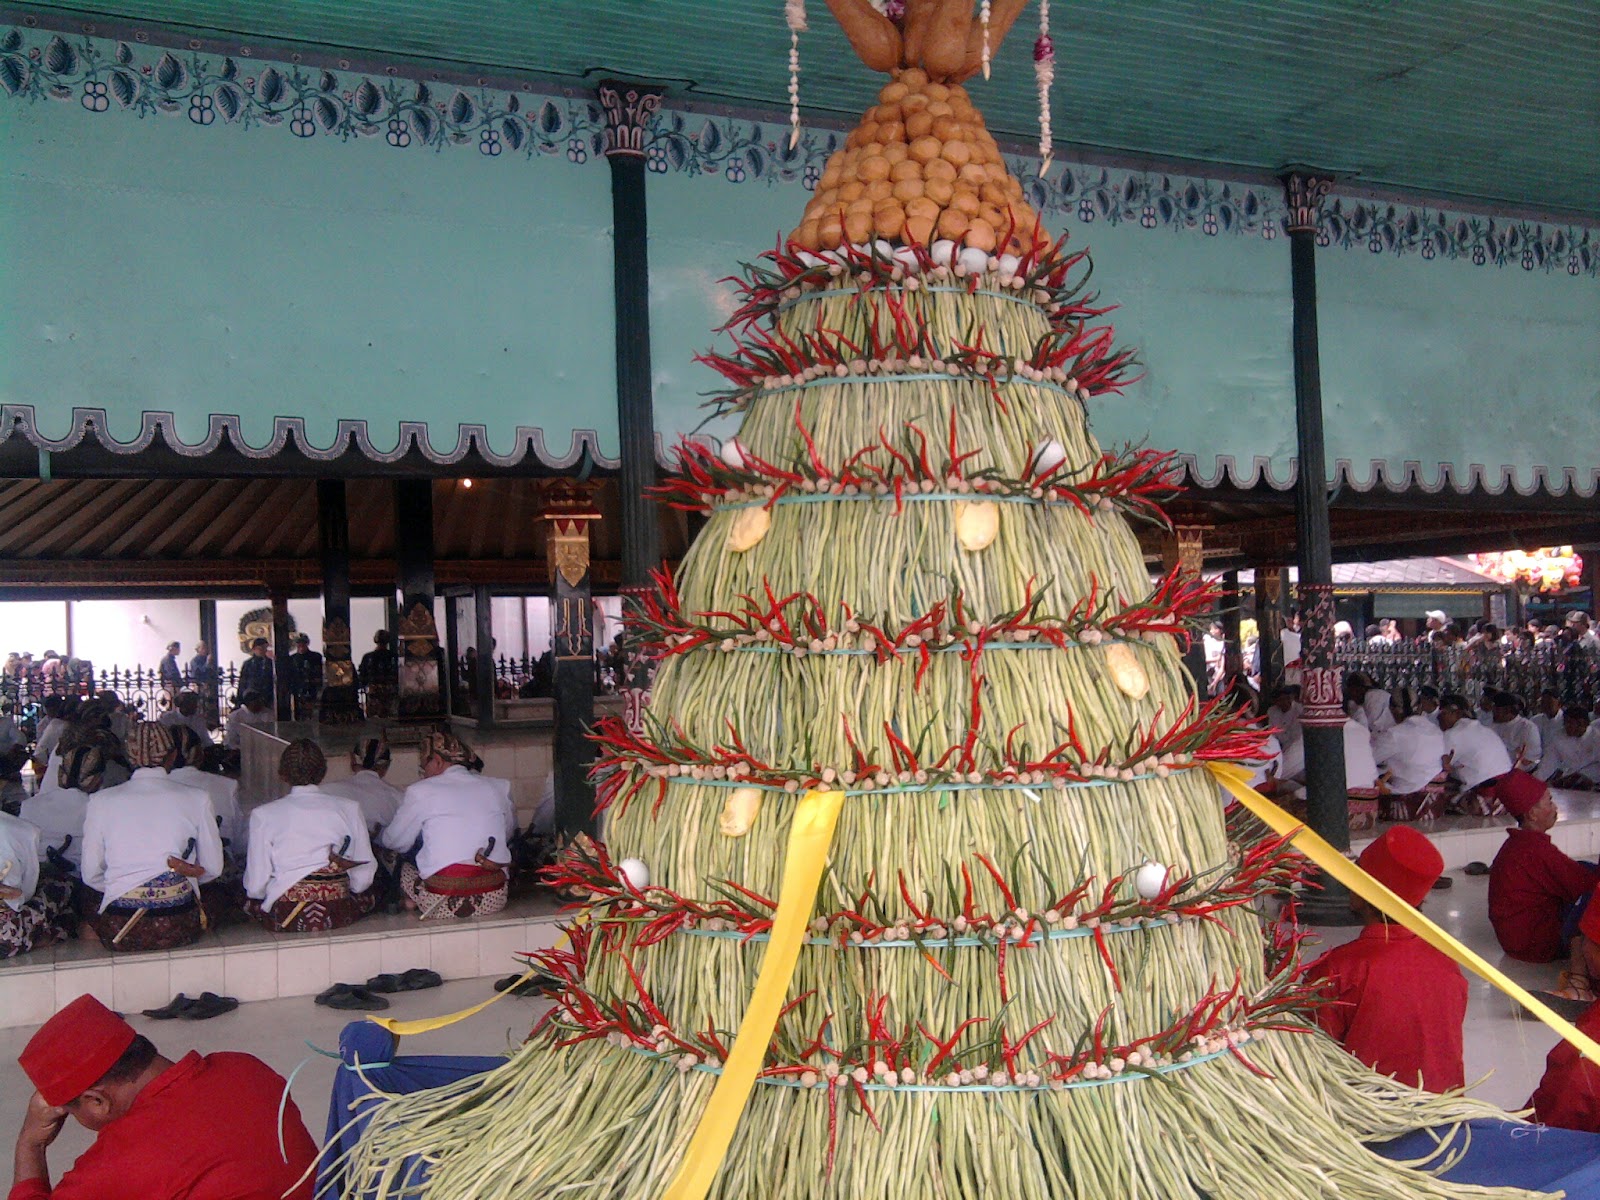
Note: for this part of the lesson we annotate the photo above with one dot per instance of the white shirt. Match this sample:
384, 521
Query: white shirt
292, 837
455, 813
1360, 768
195, 721
10, 735
51, 779
1563, 755
1373, 711
242, 716
1521, 737
377, 797
131, 829
19, 857
1549, 727
1273, 763
1479, 754
1412, 752
49, 735
224, 793
1285, 724
1289, 639
59, 814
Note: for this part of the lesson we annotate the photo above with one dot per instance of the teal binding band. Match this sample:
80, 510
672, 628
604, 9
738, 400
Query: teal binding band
1051, 935
835, 293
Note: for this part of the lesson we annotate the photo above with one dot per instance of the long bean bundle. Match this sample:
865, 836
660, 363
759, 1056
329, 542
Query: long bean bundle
1037, 966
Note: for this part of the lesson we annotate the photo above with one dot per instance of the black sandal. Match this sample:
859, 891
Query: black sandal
420, 978
178, 1006
208, 1005
353, 998
385, 983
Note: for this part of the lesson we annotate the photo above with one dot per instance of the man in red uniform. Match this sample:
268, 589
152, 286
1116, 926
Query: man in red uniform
1534, 889
1394, 1001
203, 1128
1568, 1096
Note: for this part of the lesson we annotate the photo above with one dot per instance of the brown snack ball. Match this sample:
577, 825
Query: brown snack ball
891, 131
879, 189
913, 103
906, 169
922, 207
915, 78
889, 219
948, 129
893, 93
952, 224
938, 108
958, 154
908, 189
853, 138
966, 201
868, 131
926, 149
875, 166
937, 91
859, 204
980, 235
808, 235
895, 152
960, 102
831, 232
918, 124
853, 190
996, 218
994, 192
831, 172
919, 230
940, 191
870, 150
974, 174
828, 200
939, 169
858, 225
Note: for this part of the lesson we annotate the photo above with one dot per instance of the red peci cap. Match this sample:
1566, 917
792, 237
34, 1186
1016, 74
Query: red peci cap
73, 1049
1403, 861
1518, 791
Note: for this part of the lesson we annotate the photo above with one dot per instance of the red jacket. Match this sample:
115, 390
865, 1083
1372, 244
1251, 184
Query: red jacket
204, 1129
1532, 885
1397, 1004
1569, 1094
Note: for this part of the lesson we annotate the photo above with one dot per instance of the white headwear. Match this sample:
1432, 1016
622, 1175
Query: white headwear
1437, 614
1342, 629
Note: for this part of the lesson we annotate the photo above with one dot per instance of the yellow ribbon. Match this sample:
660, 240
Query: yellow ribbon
1236, 780
810, 839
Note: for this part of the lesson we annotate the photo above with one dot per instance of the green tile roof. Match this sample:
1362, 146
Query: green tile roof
1489, 100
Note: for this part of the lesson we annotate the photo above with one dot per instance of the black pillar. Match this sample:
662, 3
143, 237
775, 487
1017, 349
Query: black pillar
483, 610
568, 514
421, 673
210, 693
628, 110
1232, 643
1269, 625
339, 705
278, 593
1327, 802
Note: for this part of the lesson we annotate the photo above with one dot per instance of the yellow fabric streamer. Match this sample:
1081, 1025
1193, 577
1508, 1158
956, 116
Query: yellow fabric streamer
1236, 780
810, 838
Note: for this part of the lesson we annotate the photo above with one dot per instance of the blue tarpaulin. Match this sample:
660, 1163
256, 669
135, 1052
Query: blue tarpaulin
1491, 1153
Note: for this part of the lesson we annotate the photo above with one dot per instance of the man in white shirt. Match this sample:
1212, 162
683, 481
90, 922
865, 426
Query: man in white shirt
1549, 718
1284, 713
60, 812
1360, 767
34, 912
1520, 735
465, 823
254, 709
1428, 703
192, 755
310, 865
379, 799
148, 846
48, 734
1578, 626
1571, 756
186, 712
1289, 639
1473, 754
1367, 702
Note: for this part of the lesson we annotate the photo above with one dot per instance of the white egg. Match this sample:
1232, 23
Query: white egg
807, 258
733, 454
973, 261
907, 258
635, 872
882, 249
1047, 457
943, 252
1150, 880
1009, 264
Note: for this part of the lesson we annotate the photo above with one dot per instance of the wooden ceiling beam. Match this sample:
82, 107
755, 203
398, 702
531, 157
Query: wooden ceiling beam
83, 518
181, 496
17, 534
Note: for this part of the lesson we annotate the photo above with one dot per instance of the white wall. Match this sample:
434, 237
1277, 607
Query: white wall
32, 627
133, 633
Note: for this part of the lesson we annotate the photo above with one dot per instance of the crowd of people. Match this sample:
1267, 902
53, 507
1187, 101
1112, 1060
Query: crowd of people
136, 837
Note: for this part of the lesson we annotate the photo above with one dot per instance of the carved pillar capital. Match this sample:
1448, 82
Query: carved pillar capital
629, 108
1303, 193
1185, 548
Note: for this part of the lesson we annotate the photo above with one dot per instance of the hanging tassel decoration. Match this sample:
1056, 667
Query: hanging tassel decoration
795, 12
1044, 70
983, 18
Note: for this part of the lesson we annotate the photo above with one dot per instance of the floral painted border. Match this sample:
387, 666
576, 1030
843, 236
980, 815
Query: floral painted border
100, 73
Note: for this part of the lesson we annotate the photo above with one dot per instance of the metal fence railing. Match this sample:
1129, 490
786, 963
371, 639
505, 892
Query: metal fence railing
1570, 670
140, 688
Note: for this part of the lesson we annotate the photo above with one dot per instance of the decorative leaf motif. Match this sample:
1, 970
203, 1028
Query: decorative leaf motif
755, 161
170, 74
514, 131
678, 152
710, 138
124, 86
59, 57
270, 87
13, 74
424, 96
125, 54
12, 41
229, 101
326, 113
368, 99
513, 104
422, 122
328, 83
462, 109
230, 69
551, 119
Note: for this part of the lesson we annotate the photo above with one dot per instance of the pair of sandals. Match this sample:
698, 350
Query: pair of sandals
369, 996
199, 1008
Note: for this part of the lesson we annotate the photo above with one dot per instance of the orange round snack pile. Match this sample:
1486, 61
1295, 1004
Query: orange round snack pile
921, 166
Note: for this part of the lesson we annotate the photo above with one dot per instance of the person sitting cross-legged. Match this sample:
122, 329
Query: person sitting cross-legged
1473, 755
211, 1127
310, 866
1394, 1001
194, 760
35, 911
379, 799
461, 824
148, 846
60, 812
1572, 753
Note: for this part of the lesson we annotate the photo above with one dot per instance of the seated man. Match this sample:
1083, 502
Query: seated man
193, 755
310, 866
1568, 1096
1534, 888
204, 1128
255, 708
1284, 714
1473, 754
1548, 716
33, 912
1395, 1002
1411, 753
1572, 754
465, 823
379, 799
148, 845
1520, 735
186, 712
1367, 703
60, 812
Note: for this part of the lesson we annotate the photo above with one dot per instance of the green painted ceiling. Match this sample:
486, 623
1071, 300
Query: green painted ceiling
1490, 100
